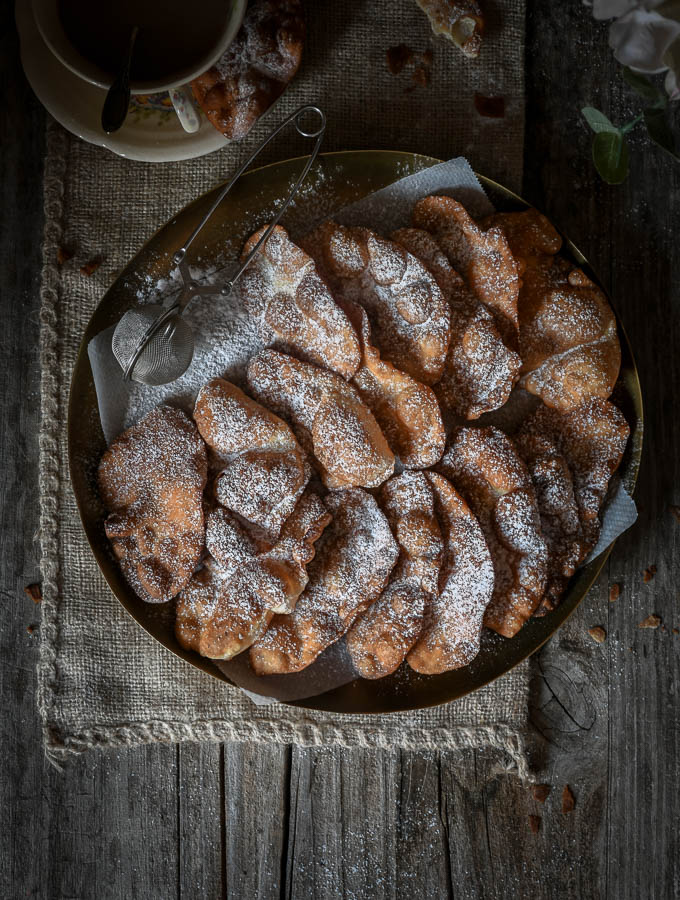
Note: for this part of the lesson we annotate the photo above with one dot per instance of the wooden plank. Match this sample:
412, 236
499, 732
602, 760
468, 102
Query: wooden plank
255, 797
200, 792
21, 767
110, 825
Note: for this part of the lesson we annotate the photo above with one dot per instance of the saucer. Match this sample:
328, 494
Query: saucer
151, 133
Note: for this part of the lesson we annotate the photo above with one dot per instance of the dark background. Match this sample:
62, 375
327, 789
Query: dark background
257, 821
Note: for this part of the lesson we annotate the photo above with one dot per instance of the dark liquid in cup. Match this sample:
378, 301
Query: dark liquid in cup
174, 35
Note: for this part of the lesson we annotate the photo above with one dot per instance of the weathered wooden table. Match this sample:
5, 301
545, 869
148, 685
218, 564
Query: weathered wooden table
247, 821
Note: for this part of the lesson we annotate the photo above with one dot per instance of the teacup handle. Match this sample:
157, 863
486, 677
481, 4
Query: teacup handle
185, 107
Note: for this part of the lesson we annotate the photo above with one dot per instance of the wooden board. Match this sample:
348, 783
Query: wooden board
250, 821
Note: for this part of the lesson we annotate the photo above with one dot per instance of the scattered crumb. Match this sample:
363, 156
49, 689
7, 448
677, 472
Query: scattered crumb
490, 107
614, 592
541, 792
568, 800
598, 634
63, 255
652, 621
421, 76
30, 629
676, 512
34, 591
91, 267
675, 631
534, 824
648, 574
398, 58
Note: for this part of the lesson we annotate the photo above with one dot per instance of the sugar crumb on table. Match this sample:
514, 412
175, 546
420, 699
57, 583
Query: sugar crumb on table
568, 800
598, 634
652, 621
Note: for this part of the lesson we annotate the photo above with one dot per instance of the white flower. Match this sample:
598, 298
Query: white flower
645, 36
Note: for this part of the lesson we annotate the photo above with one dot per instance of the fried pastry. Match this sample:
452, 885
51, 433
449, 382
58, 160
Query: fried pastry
571, 457
461, 21
255, 69
263, 469
454, 613
151, 481
480, 370
485, 467
408, 315
380, 638
353, 561
568, 337
282, 289
483, 259
560, 522
220, 617
330, 419
230, 602
406, 410
530, 235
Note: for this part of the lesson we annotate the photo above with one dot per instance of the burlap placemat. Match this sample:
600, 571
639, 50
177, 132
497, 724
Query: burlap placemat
102, 680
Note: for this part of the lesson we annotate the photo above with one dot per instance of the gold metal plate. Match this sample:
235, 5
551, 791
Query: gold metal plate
346, 177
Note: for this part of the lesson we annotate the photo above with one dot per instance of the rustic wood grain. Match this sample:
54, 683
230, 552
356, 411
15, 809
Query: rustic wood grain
252, 821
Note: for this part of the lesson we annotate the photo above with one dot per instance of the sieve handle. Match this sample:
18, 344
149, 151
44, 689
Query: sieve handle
179, 258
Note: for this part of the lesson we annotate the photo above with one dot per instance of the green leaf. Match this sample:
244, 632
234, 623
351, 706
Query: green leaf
610, 155
645, 88
660, 131
597, 120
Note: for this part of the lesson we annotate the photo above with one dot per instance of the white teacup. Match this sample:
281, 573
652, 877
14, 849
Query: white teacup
48, 20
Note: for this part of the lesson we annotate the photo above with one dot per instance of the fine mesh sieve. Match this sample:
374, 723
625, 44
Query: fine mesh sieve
154, 344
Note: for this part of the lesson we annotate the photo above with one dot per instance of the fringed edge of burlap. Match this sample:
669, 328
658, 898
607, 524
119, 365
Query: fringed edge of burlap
48, 479
513, 745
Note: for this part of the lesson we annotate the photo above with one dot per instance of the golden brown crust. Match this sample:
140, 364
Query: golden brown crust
354, 559
151, 481
480, 371
529, 233
262, 468
568, 336
282, 289
572, 456
485, 467
461, 21
406, 410
255, 69
379, 640
409, 316
454, 614
483, 259
329, 416
230, 602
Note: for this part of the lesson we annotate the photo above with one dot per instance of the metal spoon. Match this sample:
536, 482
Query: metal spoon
117, 101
